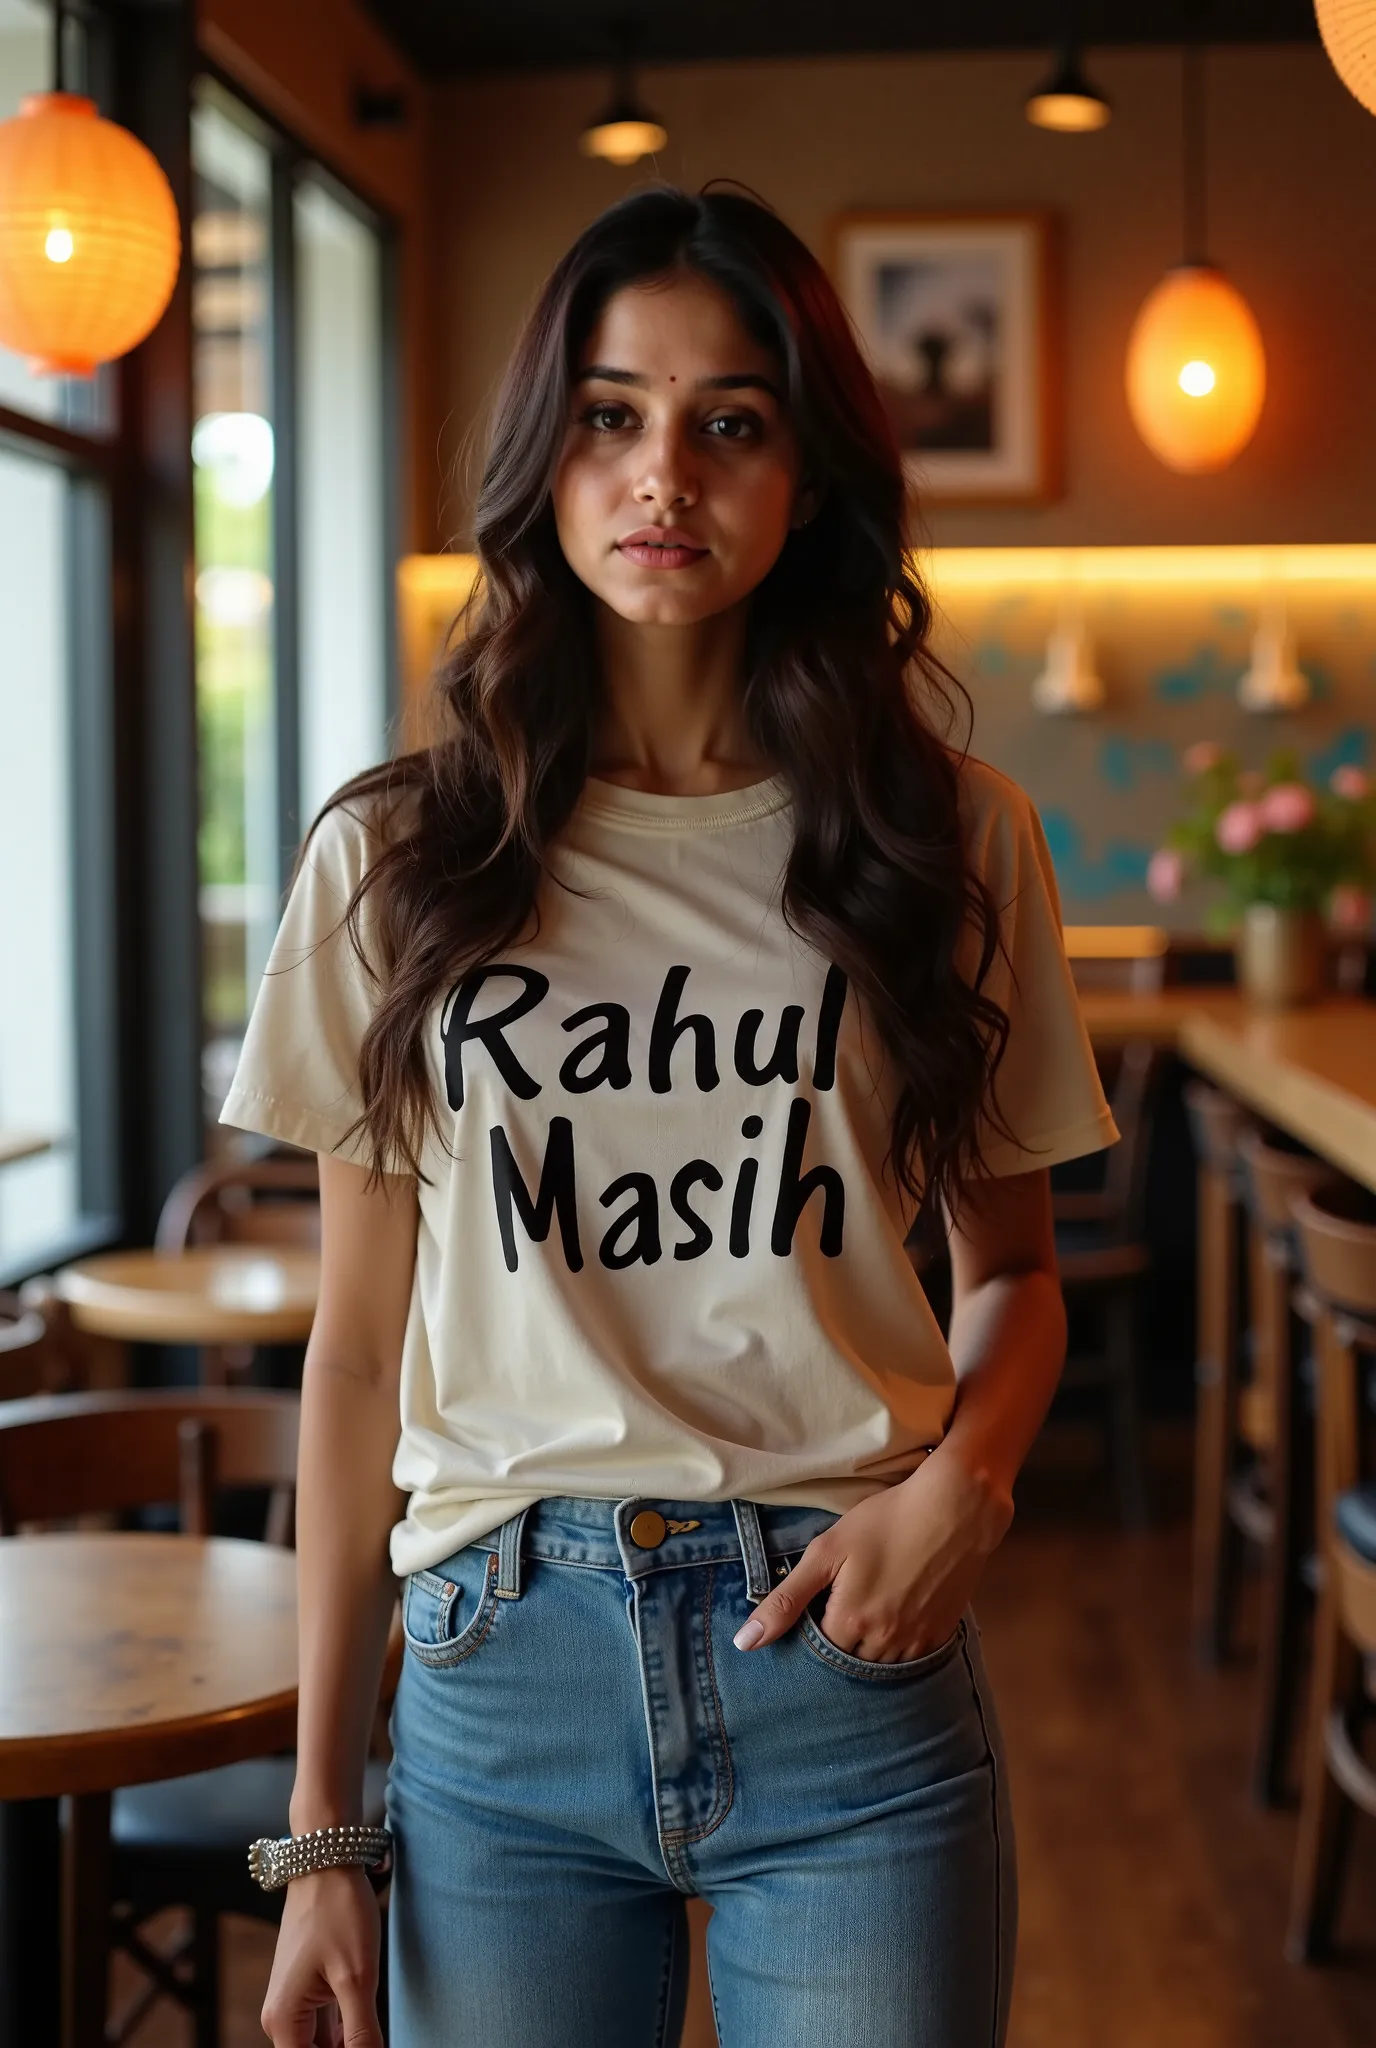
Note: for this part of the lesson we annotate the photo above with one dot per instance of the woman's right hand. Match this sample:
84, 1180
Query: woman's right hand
323, 1986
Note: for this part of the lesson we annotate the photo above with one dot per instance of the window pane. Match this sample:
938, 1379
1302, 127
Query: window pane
39, 1196
233, 449
342, 529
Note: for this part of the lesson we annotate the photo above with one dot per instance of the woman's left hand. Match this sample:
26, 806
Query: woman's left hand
902, 1565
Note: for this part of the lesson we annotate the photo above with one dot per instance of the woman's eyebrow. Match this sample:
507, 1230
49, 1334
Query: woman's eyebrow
744, 380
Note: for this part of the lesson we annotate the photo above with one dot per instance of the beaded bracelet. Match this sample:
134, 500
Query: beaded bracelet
274, 1861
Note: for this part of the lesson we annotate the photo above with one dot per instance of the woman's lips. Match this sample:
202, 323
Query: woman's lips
650, 555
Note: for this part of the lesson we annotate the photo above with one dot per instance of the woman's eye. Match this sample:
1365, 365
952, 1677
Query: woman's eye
605, 418
737, 426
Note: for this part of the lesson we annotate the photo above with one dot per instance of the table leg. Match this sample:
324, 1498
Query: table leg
30, 1955
85, 1919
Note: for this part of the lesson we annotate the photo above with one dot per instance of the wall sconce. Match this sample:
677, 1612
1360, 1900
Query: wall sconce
1274, 681
1069, 683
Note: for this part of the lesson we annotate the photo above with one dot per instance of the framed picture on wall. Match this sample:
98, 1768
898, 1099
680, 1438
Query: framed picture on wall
957, 314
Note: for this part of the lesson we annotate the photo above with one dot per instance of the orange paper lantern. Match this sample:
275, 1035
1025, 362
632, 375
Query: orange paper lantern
1196, 369
89, 237
1348, 29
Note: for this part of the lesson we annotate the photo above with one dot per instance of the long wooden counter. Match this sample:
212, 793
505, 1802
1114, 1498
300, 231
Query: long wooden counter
1310, 1071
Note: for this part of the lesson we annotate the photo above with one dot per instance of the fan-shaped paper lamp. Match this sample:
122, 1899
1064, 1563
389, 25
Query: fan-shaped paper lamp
1196, 369
89, 238
1348, 28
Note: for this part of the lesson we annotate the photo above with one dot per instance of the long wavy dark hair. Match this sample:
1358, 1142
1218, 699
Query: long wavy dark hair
841, 693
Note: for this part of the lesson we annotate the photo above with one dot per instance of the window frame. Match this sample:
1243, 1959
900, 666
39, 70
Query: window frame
291, 162
137, 985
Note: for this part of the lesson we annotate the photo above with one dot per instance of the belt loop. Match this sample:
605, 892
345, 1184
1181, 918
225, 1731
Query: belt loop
757, 1580
509, 1557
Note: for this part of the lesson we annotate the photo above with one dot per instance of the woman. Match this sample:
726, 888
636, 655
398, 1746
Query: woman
639, 1024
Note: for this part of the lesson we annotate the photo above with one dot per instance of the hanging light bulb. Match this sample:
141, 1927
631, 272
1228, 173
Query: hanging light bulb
1196, 367
1066, 101
89, 239
1348, 30
624, 131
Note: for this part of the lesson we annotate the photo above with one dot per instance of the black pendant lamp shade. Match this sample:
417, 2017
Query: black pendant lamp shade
1066, 101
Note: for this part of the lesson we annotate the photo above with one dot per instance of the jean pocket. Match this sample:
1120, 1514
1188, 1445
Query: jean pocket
447, 1615
869, 1668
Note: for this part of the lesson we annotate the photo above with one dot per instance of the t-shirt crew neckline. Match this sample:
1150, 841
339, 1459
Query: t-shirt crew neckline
657, 810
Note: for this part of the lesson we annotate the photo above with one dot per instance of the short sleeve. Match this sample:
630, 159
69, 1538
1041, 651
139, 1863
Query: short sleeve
1047, 1085
297, 1074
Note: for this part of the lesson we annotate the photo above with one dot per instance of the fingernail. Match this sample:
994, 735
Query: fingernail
748, 1633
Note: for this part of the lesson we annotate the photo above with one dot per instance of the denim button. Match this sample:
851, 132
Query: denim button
648, 1529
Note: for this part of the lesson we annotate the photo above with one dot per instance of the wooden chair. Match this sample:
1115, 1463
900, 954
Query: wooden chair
180, 1842
1118, 956
1337, 1236
26, 1365
1102, 1253
1217, 1124
274, 1200
1270, 1499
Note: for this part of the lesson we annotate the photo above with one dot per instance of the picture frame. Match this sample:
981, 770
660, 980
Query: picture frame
959, 317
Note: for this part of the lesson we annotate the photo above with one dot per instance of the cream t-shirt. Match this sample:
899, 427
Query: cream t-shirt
663, 1259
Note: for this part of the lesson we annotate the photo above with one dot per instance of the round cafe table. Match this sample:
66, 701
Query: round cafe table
129, 1657
208, 1294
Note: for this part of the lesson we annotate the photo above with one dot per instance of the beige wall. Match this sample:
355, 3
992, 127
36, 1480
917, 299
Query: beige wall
1292, 203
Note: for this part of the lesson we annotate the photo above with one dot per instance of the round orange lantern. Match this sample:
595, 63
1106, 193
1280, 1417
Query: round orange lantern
1348, 29
1196, 369
89, 238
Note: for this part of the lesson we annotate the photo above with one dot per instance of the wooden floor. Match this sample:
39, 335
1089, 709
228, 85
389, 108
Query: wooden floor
1153, 1894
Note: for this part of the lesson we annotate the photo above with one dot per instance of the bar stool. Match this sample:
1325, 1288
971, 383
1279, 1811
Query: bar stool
1272, 1503
1337, 1236
1217, 1123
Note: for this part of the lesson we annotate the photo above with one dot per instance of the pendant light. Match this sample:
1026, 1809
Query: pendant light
624, 131
1066, 102
1196, 368
1348, 29
89, 238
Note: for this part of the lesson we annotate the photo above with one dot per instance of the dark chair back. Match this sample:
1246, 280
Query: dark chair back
25, 1362
63, 1455
252, 1201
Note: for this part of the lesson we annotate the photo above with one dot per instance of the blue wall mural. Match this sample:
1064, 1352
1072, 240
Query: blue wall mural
1108, 785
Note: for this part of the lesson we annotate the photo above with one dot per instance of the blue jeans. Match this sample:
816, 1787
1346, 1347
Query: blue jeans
579, 1747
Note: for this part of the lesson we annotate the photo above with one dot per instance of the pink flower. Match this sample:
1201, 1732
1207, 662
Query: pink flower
1349, 908
1287, 807
1201, 757
1165, 874
1239, 827
1350, 783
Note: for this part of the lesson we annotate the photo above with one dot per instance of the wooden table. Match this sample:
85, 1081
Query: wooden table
211, 1294
128, 1658
1311, 1071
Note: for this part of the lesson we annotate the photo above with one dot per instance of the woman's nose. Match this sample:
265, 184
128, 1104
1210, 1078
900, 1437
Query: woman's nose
666, 475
